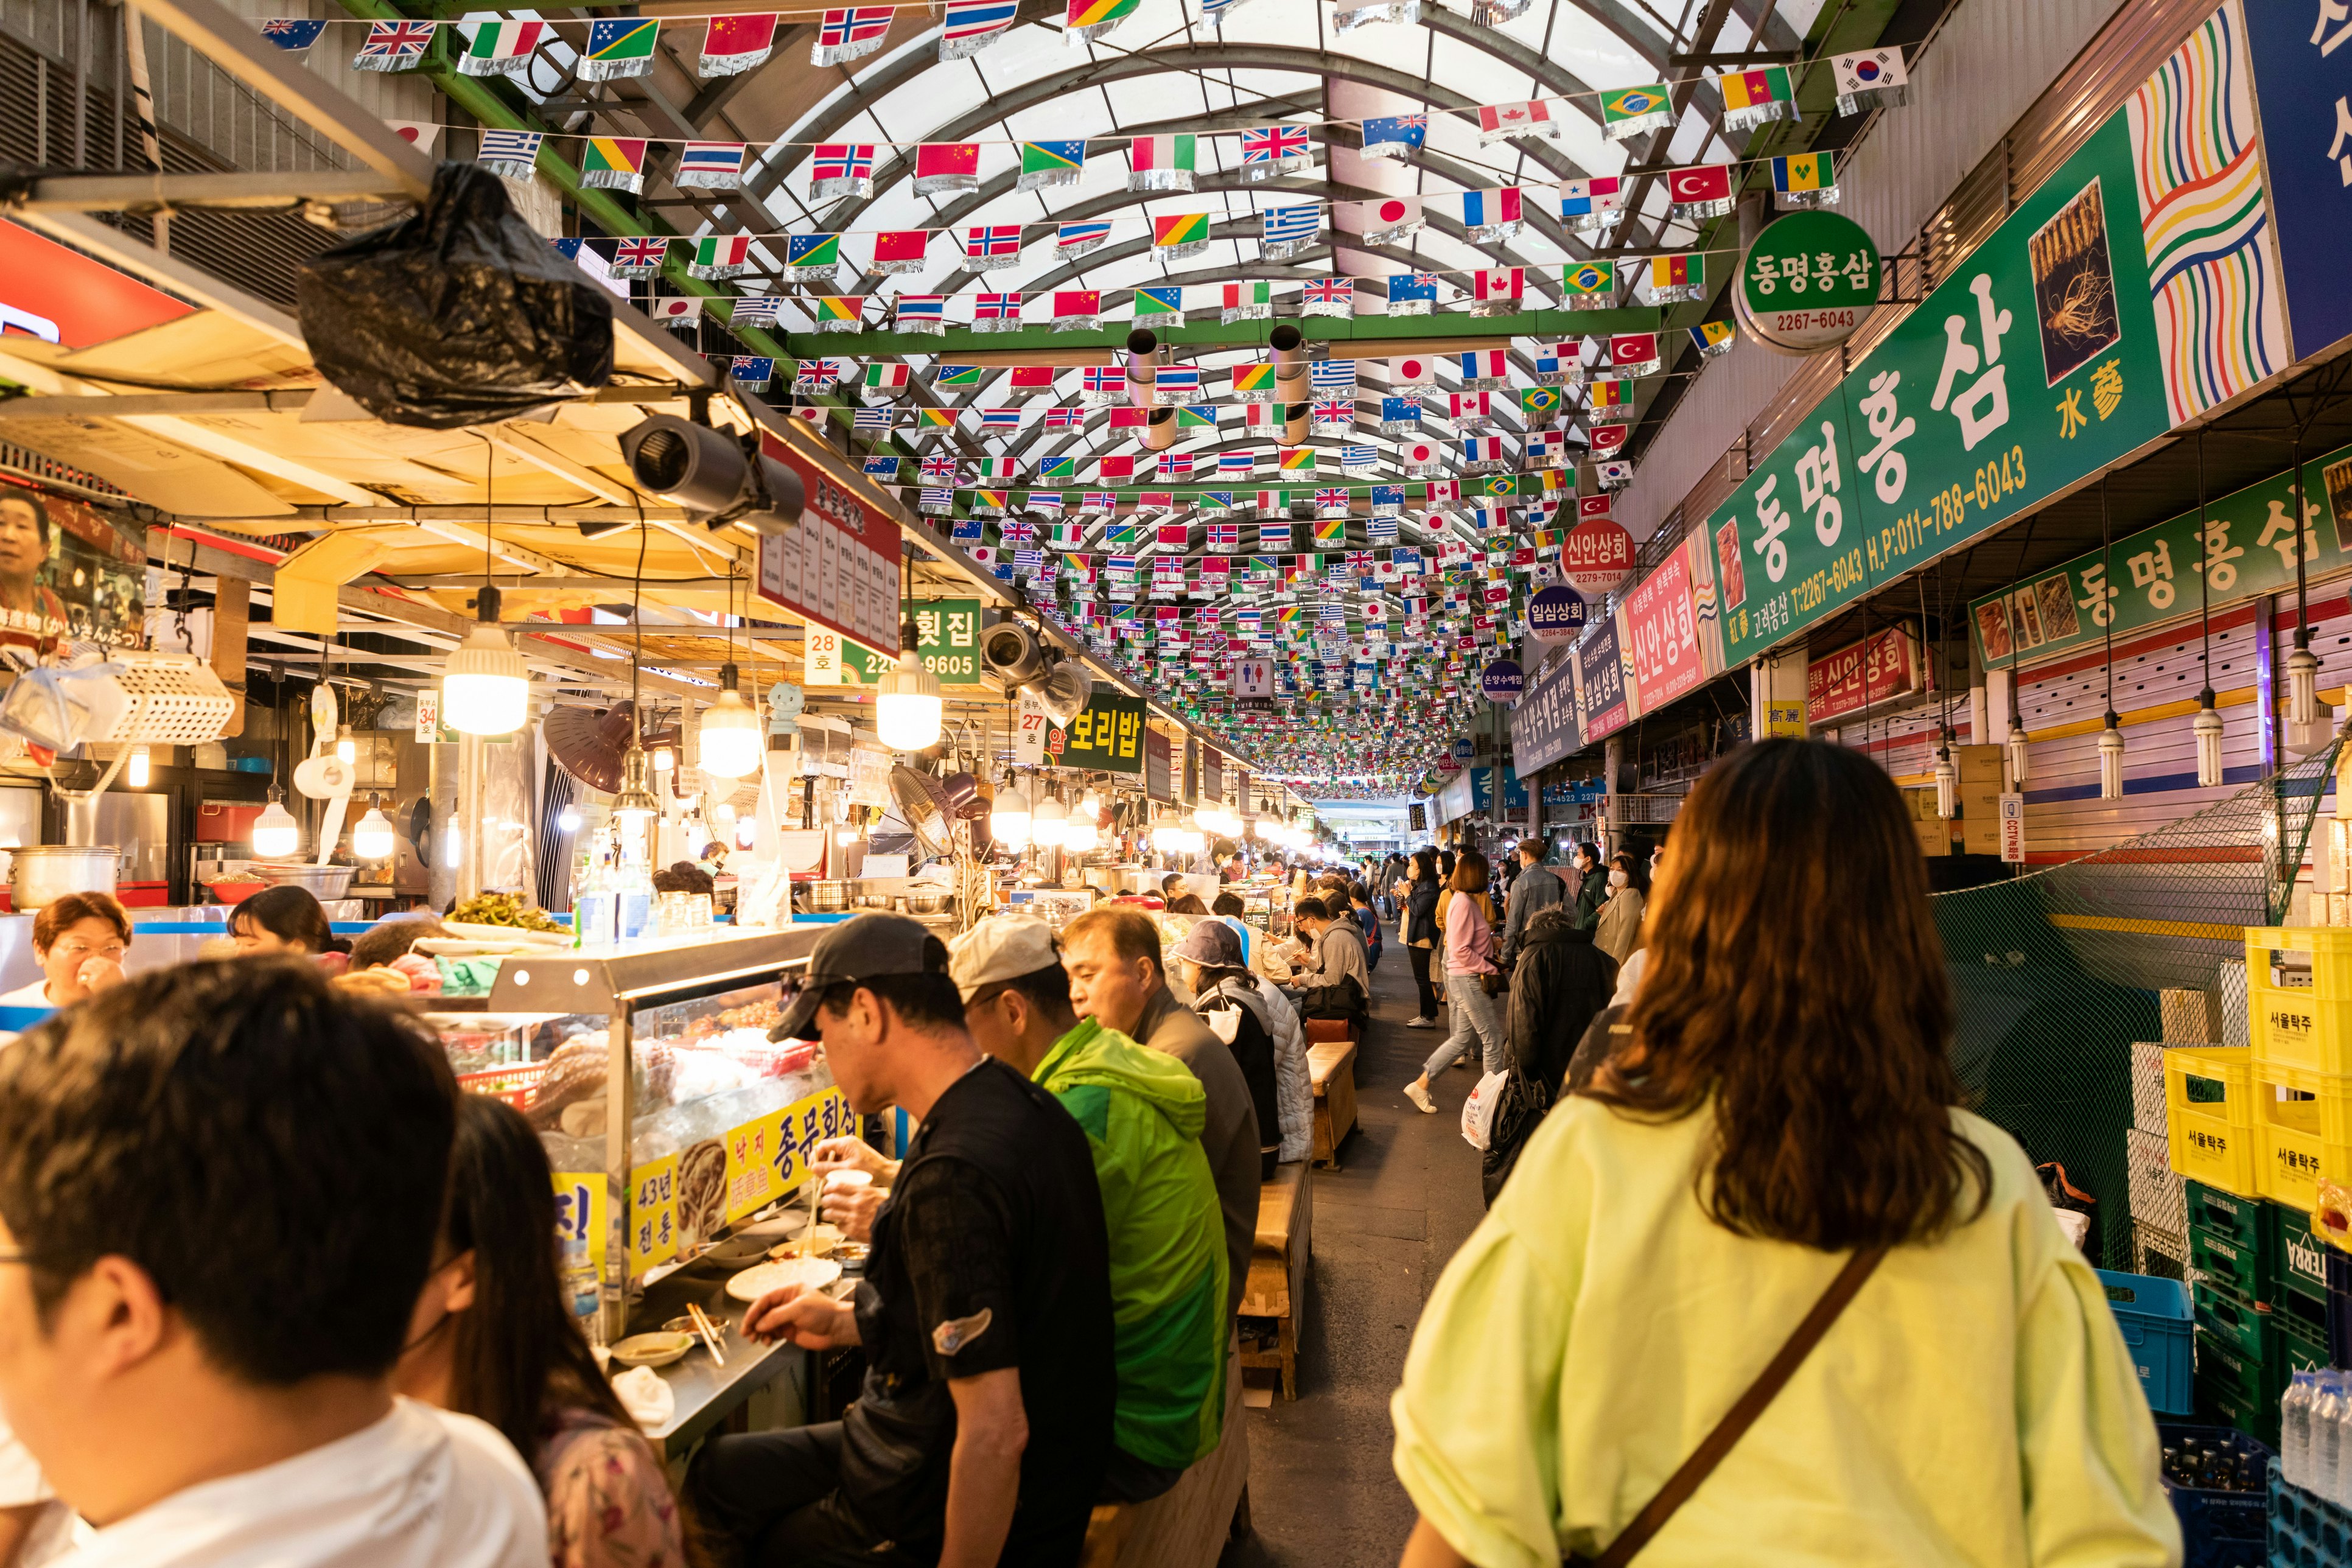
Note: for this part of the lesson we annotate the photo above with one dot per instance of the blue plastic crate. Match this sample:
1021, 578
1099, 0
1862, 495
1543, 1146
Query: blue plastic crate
2305, 1531
2160, 1330
2219, 1529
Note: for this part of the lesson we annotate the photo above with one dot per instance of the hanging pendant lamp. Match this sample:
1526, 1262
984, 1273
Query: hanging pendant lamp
2208, 723
2017, 743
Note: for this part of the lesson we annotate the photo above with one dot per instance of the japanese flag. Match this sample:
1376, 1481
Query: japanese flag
1417, 452
676, 308
1412, 370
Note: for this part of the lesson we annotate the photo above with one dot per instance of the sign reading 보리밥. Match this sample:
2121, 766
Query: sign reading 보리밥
2157, 573
2083, 327
1107, 734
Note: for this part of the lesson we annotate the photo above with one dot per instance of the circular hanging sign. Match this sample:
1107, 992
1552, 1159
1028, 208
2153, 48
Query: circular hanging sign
1554, 615
1448, 766
1464, 750
1808, 283
1596, 556
1502, 682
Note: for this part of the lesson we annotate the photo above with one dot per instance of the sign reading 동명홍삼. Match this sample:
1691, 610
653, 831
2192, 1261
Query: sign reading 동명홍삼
1808, 283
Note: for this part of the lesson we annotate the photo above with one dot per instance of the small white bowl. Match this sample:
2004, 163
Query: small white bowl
652, 1350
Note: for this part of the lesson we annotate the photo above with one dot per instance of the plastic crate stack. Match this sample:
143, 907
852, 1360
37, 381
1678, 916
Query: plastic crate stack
2219, 1482
2260, 1298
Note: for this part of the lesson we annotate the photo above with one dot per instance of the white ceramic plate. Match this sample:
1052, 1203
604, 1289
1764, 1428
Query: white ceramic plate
810, 1273
515, 934
652, 1350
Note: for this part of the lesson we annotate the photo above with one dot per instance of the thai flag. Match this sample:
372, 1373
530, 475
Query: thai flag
1081, 236
916, 308
977, 18
703, 163
1243, 463
992, 240
1000, 419
835, 161
1176, 378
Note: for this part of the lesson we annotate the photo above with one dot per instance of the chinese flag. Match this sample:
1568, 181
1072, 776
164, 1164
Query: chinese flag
937, 158
901, 244
1032, 378
1113, 469
740, 34
1129, 418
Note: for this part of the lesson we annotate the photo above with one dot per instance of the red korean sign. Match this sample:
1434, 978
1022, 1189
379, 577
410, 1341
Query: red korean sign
1596, 556
1862, 675
839, 569
1662, 620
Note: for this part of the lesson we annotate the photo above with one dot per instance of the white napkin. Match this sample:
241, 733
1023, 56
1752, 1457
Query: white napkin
646, 1398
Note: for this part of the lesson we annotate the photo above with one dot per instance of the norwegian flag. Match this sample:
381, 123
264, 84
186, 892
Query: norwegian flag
846, 35
1274, 144
1224, 536
640, 257
1175, 466
996, 243
1101, 380
842, 160
997, 308
1065, 419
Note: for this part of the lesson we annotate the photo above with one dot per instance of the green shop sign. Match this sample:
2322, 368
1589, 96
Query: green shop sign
2105, 311
2154, 576
1808, 283
947, 638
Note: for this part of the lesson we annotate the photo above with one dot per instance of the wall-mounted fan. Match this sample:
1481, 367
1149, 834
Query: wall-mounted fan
588, 743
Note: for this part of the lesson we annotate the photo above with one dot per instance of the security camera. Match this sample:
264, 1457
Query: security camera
713, 474
1012, 652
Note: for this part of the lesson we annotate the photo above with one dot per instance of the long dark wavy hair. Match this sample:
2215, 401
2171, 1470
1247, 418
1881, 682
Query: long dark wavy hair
1796, 981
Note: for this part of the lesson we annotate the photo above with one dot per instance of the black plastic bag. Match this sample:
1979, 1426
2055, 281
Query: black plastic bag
459, 315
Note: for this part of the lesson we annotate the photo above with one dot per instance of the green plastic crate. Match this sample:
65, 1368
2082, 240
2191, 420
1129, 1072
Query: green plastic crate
2252, 1382
2221, 1405
2302, 1267
2241, 1325
2248, 1223
2245, 1273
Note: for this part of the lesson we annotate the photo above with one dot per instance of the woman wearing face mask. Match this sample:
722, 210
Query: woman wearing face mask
1618, 928
491, 1338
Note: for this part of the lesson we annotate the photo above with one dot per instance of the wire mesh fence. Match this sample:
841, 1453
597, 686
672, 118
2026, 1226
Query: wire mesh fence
2056, 975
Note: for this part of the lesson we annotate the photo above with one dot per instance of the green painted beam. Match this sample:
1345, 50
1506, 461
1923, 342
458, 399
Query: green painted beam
477, 97
1555, 325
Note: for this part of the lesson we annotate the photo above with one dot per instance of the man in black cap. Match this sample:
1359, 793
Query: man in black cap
981, 1431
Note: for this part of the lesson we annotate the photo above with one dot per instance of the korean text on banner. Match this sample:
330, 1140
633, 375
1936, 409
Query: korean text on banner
1107, 734
840, 568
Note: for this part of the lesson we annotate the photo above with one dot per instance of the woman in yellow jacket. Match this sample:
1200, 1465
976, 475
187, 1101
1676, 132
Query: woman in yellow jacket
1778, 1101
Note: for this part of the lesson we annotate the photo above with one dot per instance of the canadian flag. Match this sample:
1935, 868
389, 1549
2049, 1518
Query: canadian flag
1498, 282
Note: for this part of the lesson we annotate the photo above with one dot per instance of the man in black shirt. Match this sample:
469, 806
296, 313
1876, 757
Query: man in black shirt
980, 1434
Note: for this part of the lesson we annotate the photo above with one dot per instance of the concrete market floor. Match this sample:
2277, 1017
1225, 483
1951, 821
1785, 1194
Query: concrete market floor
1322, 1493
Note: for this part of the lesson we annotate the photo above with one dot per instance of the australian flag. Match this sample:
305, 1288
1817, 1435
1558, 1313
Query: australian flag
292, 33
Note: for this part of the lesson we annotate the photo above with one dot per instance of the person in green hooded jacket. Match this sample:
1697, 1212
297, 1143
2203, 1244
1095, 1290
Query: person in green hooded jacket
1142, 1111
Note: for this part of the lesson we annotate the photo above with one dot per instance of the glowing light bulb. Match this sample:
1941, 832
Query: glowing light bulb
372, 838
347, 748
275, 834
137, 768
486, 689
732, 735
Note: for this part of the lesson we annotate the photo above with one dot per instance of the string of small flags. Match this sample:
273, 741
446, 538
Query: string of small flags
737, 42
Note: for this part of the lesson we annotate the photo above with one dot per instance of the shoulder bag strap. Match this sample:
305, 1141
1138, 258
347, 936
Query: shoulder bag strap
1741, 1415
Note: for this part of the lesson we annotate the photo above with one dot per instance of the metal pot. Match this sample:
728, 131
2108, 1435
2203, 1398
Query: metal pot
41, 874
827, 898
926, 900
326, 883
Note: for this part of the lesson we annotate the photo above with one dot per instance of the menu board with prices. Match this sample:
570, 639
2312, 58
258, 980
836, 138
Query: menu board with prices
839, 569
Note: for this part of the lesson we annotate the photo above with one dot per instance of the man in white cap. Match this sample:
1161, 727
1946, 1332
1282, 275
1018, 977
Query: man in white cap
1142, 1111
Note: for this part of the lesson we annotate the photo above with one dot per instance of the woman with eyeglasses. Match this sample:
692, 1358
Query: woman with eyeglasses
79, 941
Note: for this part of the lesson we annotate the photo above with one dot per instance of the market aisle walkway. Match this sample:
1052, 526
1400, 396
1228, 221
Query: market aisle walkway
1322, 1493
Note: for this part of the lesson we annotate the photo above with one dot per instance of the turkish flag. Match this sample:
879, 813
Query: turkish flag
1592, 508
1706, 182
1608, 438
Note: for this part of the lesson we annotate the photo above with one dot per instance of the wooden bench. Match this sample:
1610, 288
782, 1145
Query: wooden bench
1331, 1068
1187, 1525
1277, 1289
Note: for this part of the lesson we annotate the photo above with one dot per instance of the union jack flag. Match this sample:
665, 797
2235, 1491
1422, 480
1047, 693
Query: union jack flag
939, 469
1274, 144
639, 257
390, 45
1338, 410
997, 308
842, 160
1330, 291
992, 240
1334, 498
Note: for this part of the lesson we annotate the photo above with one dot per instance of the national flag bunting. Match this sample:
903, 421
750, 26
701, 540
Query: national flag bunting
733, 45
292, 33
1247, 302
1329, 297
1485, 367
1591, 206
1669, 279
1046, 165
1490, 216
924, 314
973, 25
1160, 163
996, 313
1700, 191
1272, 149
1087, 20
510, 155
1285, 231
1754, 97
1078, 309
1160, 301
811, 257
841, 169
639, 255
991, 245
900, 250
614, 164
1078, 238
1873, 79
1804, 180
1712, 338
850, 33
619, 46
840, 312
1501, 121
1175, 235
1630, 111
501, 48
714, 166
944, 166
1412, 293
1395, 135
1380, 222
1496, 290
393, 46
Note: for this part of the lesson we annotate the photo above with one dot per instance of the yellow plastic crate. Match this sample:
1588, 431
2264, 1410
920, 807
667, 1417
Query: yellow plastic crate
2307, 1028
2304, 1133
2213, 1141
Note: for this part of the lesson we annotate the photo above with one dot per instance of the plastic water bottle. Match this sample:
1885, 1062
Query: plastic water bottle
2338, 1486
2326, 1435
2295, 1429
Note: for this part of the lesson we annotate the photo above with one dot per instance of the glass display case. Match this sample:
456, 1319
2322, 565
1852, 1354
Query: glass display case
667, 1113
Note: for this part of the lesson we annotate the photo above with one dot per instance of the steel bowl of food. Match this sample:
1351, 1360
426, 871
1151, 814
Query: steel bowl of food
325, 882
